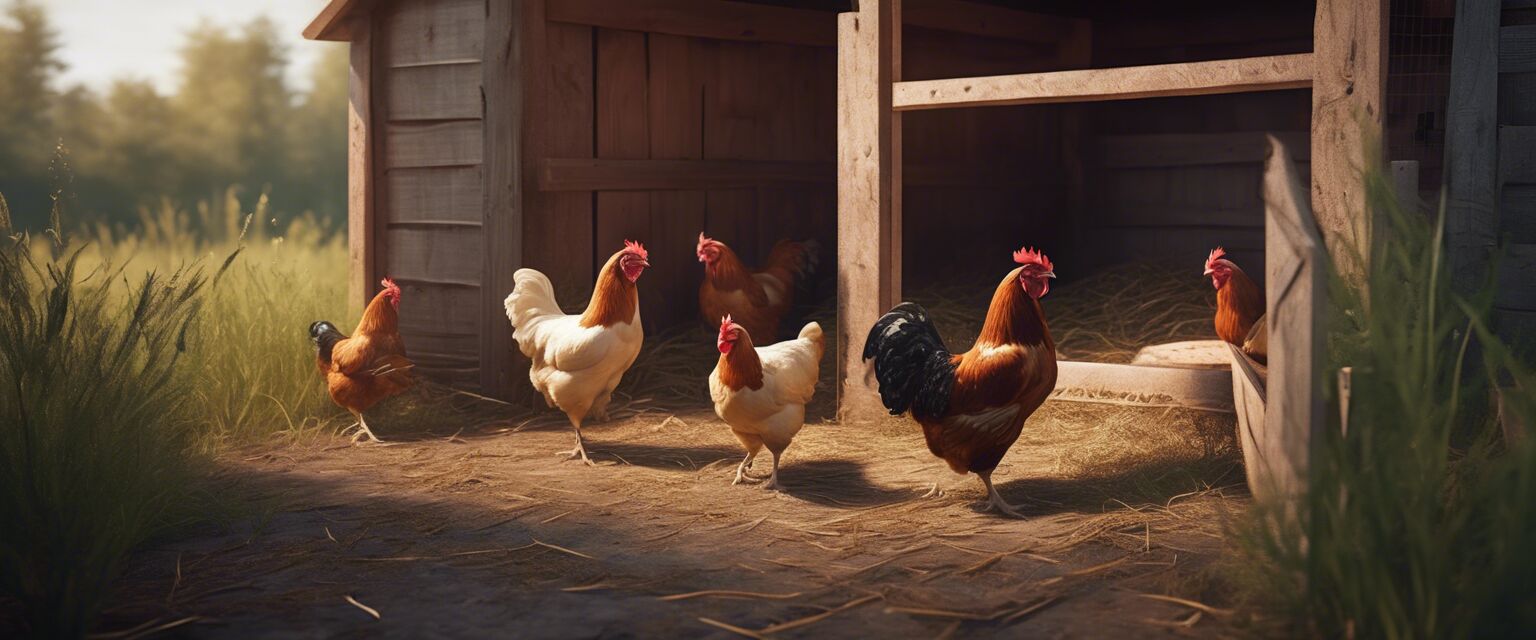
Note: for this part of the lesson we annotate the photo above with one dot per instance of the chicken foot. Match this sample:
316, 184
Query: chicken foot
361, 430
581, 448
995, 500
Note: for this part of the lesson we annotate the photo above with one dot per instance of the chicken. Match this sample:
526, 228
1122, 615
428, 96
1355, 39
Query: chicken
761, 392
369, 366
577, 360
1239, 306
756, 299
972, 406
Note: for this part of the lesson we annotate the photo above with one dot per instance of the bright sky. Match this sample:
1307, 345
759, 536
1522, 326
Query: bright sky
102, 40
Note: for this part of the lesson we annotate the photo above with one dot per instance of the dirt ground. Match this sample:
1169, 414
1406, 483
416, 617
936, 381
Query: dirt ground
487, 533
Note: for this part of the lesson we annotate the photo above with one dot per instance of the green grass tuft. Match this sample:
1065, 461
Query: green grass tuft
1420, 521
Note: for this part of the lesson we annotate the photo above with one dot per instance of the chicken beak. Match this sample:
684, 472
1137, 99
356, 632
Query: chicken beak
1048, 274
1208, 272
645, 263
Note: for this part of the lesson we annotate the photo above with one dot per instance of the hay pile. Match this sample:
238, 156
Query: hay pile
1106, 316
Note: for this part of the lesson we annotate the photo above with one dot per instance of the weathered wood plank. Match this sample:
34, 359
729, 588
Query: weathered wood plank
717, 20
1517, 278
1295, 295
1471, 136
433, 194
442, 144
990, 21
622, 133
435, 310
1517, 211
1517, 155
426, 32
1131, 216
1190, 149
869, 190
1517, 106
1517, 49
604, 174
1175, 243
452, 255
734, 123
433, 92
676, 113
361, 212
1268, 73
1348, 105
558, 226
502, 251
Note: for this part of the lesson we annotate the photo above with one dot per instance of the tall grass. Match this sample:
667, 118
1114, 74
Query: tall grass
122, 367
255, 365
1420, 521
96, 425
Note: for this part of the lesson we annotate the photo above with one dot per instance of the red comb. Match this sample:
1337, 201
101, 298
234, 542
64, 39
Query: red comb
630, 245
725, 326
1216, 254
390, 286
1027, 255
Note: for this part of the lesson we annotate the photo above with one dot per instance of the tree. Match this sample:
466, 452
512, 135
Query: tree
28, 48
319, 130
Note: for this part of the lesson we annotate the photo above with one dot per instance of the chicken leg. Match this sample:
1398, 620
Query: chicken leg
773, 478
741, 470
994, 499
361, 430
581, 448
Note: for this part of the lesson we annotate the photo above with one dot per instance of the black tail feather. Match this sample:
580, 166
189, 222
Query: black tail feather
914, 369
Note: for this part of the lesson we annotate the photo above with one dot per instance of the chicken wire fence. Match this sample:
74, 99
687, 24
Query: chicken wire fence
1418, 84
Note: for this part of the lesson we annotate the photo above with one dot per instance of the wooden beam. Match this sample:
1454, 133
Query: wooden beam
1267, 73
334, 22
719, 20
869, 190
990, 21
1194, 149
502, 112
1471, 145
361, 223
1348, 104
607, 174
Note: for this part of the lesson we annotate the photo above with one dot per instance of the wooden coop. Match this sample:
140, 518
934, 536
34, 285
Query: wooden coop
917, 140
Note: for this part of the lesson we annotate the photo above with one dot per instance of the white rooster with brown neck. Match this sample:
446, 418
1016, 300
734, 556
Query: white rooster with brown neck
761, 392
579, 359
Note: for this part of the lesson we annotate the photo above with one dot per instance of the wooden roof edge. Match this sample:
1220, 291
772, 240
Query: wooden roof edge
332, 21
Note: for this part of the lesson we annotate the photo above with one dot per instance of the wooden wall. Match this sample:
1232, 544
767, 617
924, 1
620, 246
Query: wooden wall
428, 182
655, 136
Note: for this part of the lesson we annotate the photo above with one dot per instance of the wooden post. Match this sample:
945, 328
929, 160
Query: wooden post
1349, 57
868, 189
502, 113
1471, 144
1277, 457
360, 148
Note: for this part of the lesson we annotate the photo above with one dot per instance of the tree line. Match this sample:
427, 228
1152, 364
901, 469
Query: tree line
232, 121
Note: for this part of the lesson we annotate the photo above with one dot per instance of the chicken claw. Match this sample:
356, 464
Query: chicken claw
995, 500
933, 492
741, 472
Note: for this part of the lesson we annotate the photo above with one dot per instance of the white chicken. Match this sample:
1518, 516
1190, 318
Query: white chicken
579, 359
762, 392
